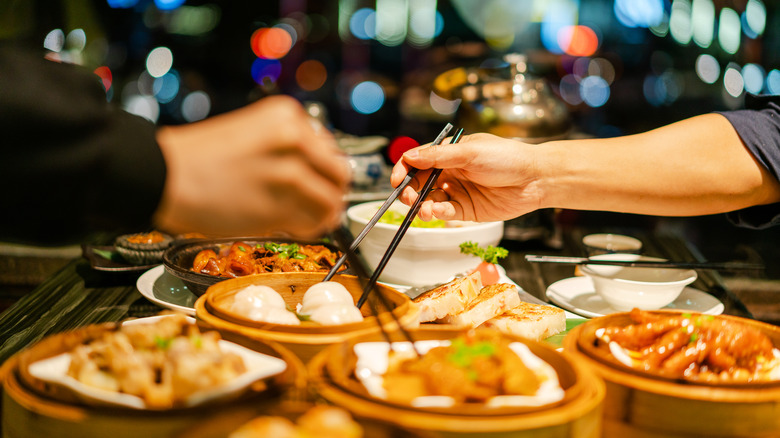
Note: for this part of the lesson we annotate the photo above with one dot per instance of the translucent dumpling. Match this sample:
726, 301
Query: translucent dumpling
321, 294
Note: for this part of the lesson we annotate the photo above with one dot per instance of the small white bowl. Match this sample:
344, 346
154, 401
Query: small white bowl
425, 256
604, 243
645, 288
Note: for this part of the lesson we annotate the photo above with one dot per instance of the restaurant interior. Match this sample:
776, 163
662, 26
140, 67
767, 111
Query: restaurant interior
386, 75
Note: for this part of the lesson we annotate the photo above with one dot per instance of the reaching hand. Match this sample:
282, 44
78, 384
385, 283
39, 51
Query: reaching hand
261, 169
484, 178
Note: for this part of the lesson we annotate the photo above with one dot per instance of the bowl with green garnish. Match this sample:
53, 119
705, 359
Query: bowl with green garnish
429, 253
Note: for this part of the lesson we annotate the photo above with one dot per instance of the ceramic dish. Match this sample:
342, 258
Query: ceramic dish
178, 259
53, 370
165, 290
106, 258
578, 295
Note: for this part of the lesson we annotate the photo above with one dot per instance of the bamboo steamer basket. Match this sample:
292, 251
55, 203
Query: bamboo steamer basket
578, 415
32, 408
309, 338
646, 406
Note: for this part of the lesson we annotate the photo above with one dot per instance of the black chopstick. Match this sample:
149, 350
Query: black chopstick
720, 266
343, 239
388, 202
405, 225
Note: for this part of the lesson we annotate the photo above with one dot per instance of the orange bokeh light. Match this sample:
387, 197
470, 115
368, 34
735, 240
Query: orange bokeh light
578, 40
311, 75
105, 76
270, 42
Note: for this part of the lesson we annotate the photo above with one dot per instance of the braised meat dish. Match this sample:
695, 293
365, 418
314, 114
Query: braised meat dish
702, 348
242, 258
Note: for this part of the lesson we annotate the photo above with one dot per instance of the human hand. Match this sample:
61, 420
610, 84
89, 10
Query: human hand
261, 169
484, 178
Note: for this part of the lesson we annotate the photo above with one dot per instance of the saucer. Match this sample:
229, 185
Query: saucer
165, 290
577, 295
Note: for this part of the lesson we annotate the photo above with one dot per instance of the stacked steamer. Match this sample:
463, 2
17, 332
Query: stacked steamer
152, 377
466, 383
672, 374
465, 302
298, 310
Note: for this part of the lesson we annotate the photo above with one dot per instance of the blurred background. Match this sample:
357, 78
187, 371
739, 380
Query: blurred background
400, 69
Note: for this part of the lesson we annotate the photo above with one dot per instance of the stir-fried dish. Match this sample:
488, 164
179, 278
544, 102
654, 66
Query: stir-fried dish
473, 368
241, 258
163, 363
700, 348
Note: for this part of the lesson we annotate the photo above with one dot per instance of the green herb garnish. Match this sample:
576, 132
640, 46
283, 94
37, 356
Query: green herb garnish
464, 353
162, 343
285, 250
491, 254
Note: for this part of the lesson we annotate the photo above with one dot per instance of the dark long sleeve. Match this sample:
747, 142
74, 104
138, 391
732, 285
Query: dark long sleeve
72, 163
758, 125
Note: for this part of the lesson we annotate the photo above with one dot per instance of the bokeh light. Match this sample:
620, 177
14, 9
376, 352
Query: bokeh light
362, 24
391, 21
54, 41
398, 146
555, 19
733, 82
104, 73
602, 67
271, 43
703, 16
707, 68
753, 77
76, 40
166, 87
144, 106
755, 17
425, 23
578, 40
311, 75
569, 88
443, 106
195, 106
168, 5
367, 97
729, 30
122, 4
594, 91
639, 13
266, 70
159, 61
680, 21
662, 89
773, 82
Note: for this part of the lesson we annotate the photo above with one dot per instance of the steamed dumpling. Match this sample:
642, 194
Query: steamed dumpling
327, 292
262, 303
336, 313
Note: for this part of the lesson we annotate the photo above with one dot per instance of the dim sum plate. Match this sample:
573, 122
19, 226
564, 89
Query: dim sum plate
53, 371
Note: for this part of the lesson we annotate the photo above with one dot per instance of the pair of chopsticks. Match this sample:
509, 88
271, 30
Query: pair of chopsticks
390, 199
720, 266
344, 240
413, 210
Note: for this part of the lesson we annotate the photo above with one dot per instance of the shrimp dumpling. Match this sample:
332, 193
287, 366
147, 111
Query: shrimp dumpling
321, 294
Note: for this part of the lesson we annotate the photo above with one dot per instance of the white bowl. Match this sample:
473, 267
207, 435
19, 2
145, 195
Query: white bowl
605, 243
425, 256
645, 288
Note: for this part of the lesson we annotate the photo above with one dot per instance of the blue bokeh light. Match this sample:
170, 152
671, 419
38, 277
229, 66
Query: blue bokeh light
639, 13
753, 75
367, 97
362, 24
594, 91
122, 4
166, 87
773, 82
168, 5
266, 68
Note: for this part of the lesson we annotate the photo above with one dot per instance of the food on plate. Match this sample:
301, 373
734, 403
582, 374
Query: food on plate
142, 248
163, 363
320, 421
262, 303
693, 347
396, 218
492, 301
530, 321
489, 256
474, 367
449, 298
464, 301
326, 303
242, 258
329, 303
